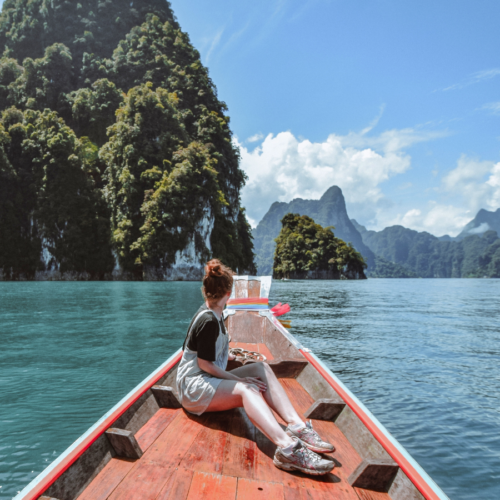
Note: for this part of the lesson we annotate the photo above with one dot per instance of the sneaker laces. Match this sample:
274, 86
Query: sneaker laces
308, 429
307, 453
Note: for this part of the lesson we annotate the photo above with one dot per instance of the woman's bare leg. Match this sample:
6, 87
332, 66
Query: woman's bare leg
231, 394
275, 396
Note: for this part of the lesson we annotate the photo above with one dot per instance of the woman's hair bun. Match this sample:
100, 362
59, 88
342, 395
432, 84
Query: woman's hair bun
218, 280
214, 269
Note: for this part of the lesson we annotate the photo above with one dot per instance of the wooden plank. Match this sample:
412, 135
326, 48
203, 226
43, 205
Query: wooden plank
327, 487
138, 414
144, 482
325, 409
305, 493
165, 396
108, 479
149, 432
264, 469
301, 399
212, 487
288, 368
178, 485
171, 446
371, 495
246, 326
206, 454
159, 462
292, 492
124, 443
346, 456
374, 474
263, 349
241, 289
249, 489
239, 453
253, 288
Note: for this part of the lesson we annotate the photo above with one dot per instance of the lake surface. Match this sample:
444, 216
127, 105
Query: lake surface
423, 355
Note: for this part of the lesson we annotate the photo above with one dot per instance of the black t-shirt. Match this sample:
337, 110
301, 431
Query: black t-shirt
204, 335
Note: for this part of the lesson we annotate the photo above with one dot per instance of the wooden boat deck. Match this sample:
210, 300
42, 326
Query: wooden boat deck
175, 455
222, 455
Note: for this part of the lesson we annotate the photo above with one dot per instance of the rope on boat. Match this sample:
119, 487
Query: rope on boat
245, 356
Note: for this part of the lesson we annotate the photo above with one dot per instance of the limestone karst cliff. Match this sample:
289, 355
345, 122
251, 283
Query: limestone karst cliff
329, 210
116, 156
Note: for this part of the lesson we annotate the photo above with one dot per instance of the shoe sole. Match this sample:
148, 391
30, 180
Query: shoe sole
291, 467
311, 447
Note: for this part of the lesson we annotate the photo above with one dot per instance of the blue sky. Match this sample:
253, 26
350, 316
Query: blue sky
396, 102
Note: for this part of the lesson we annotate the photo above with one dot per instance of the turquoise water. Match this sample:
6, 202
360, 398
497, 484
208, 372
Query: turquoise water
423, 355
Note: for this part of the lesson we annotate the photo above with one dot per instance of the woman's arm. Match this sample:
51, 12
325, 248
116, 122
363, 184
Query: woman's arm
212, 369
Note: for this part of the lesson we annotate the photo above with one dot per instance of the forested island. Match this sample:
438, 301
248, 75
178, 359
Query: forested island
116, 158
306, 250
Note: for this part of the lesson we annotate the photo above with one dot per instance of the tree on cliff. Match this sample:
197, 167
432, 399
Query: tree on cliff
52, 197
113, 131
303, 246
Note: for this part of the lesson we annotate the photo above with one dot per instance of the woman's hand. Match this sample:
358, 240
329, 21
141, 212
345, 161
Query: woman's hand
231, 357
255, 381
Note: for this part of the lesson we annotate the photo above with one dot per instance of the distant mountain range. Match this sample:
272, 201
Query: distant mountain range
427, 256
395, 252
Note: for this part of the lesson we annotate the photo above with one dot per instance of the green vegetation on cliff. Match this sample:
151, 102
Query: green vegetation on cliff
306, 249
112, 141
329, 211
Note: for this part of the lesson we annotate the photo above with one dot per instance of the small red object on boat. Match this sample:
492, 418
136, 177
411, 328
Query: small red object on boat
280, 309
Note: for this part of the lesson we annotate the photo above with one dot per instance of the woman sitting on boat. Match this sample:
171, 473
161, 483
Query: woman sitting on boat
204, 385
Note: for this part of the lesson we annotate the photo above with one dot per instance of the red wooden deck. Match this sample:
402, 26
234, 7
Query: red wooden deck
219, 456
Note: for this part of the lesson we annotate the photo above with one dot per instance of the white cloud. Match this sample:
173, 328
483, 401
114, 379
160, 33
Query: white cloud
482, 228
474, 184
374, 122
494, 107
439, 219
283, 168
478, 77
255, 138
215, 41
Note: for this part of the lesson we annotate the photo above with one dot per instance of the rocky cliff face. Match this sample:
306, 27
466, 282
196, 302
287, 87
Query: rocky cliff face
329, 210
116, 155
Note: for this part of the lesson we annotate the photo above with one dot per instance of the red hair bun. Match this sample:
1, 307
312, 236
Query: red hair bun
218, 280
214, 269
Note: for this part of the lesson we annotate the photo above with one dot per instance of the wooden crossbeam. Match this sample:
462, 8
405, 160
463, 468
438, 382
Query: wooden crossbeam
165, 396
124, 443
374, 474
325, 409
